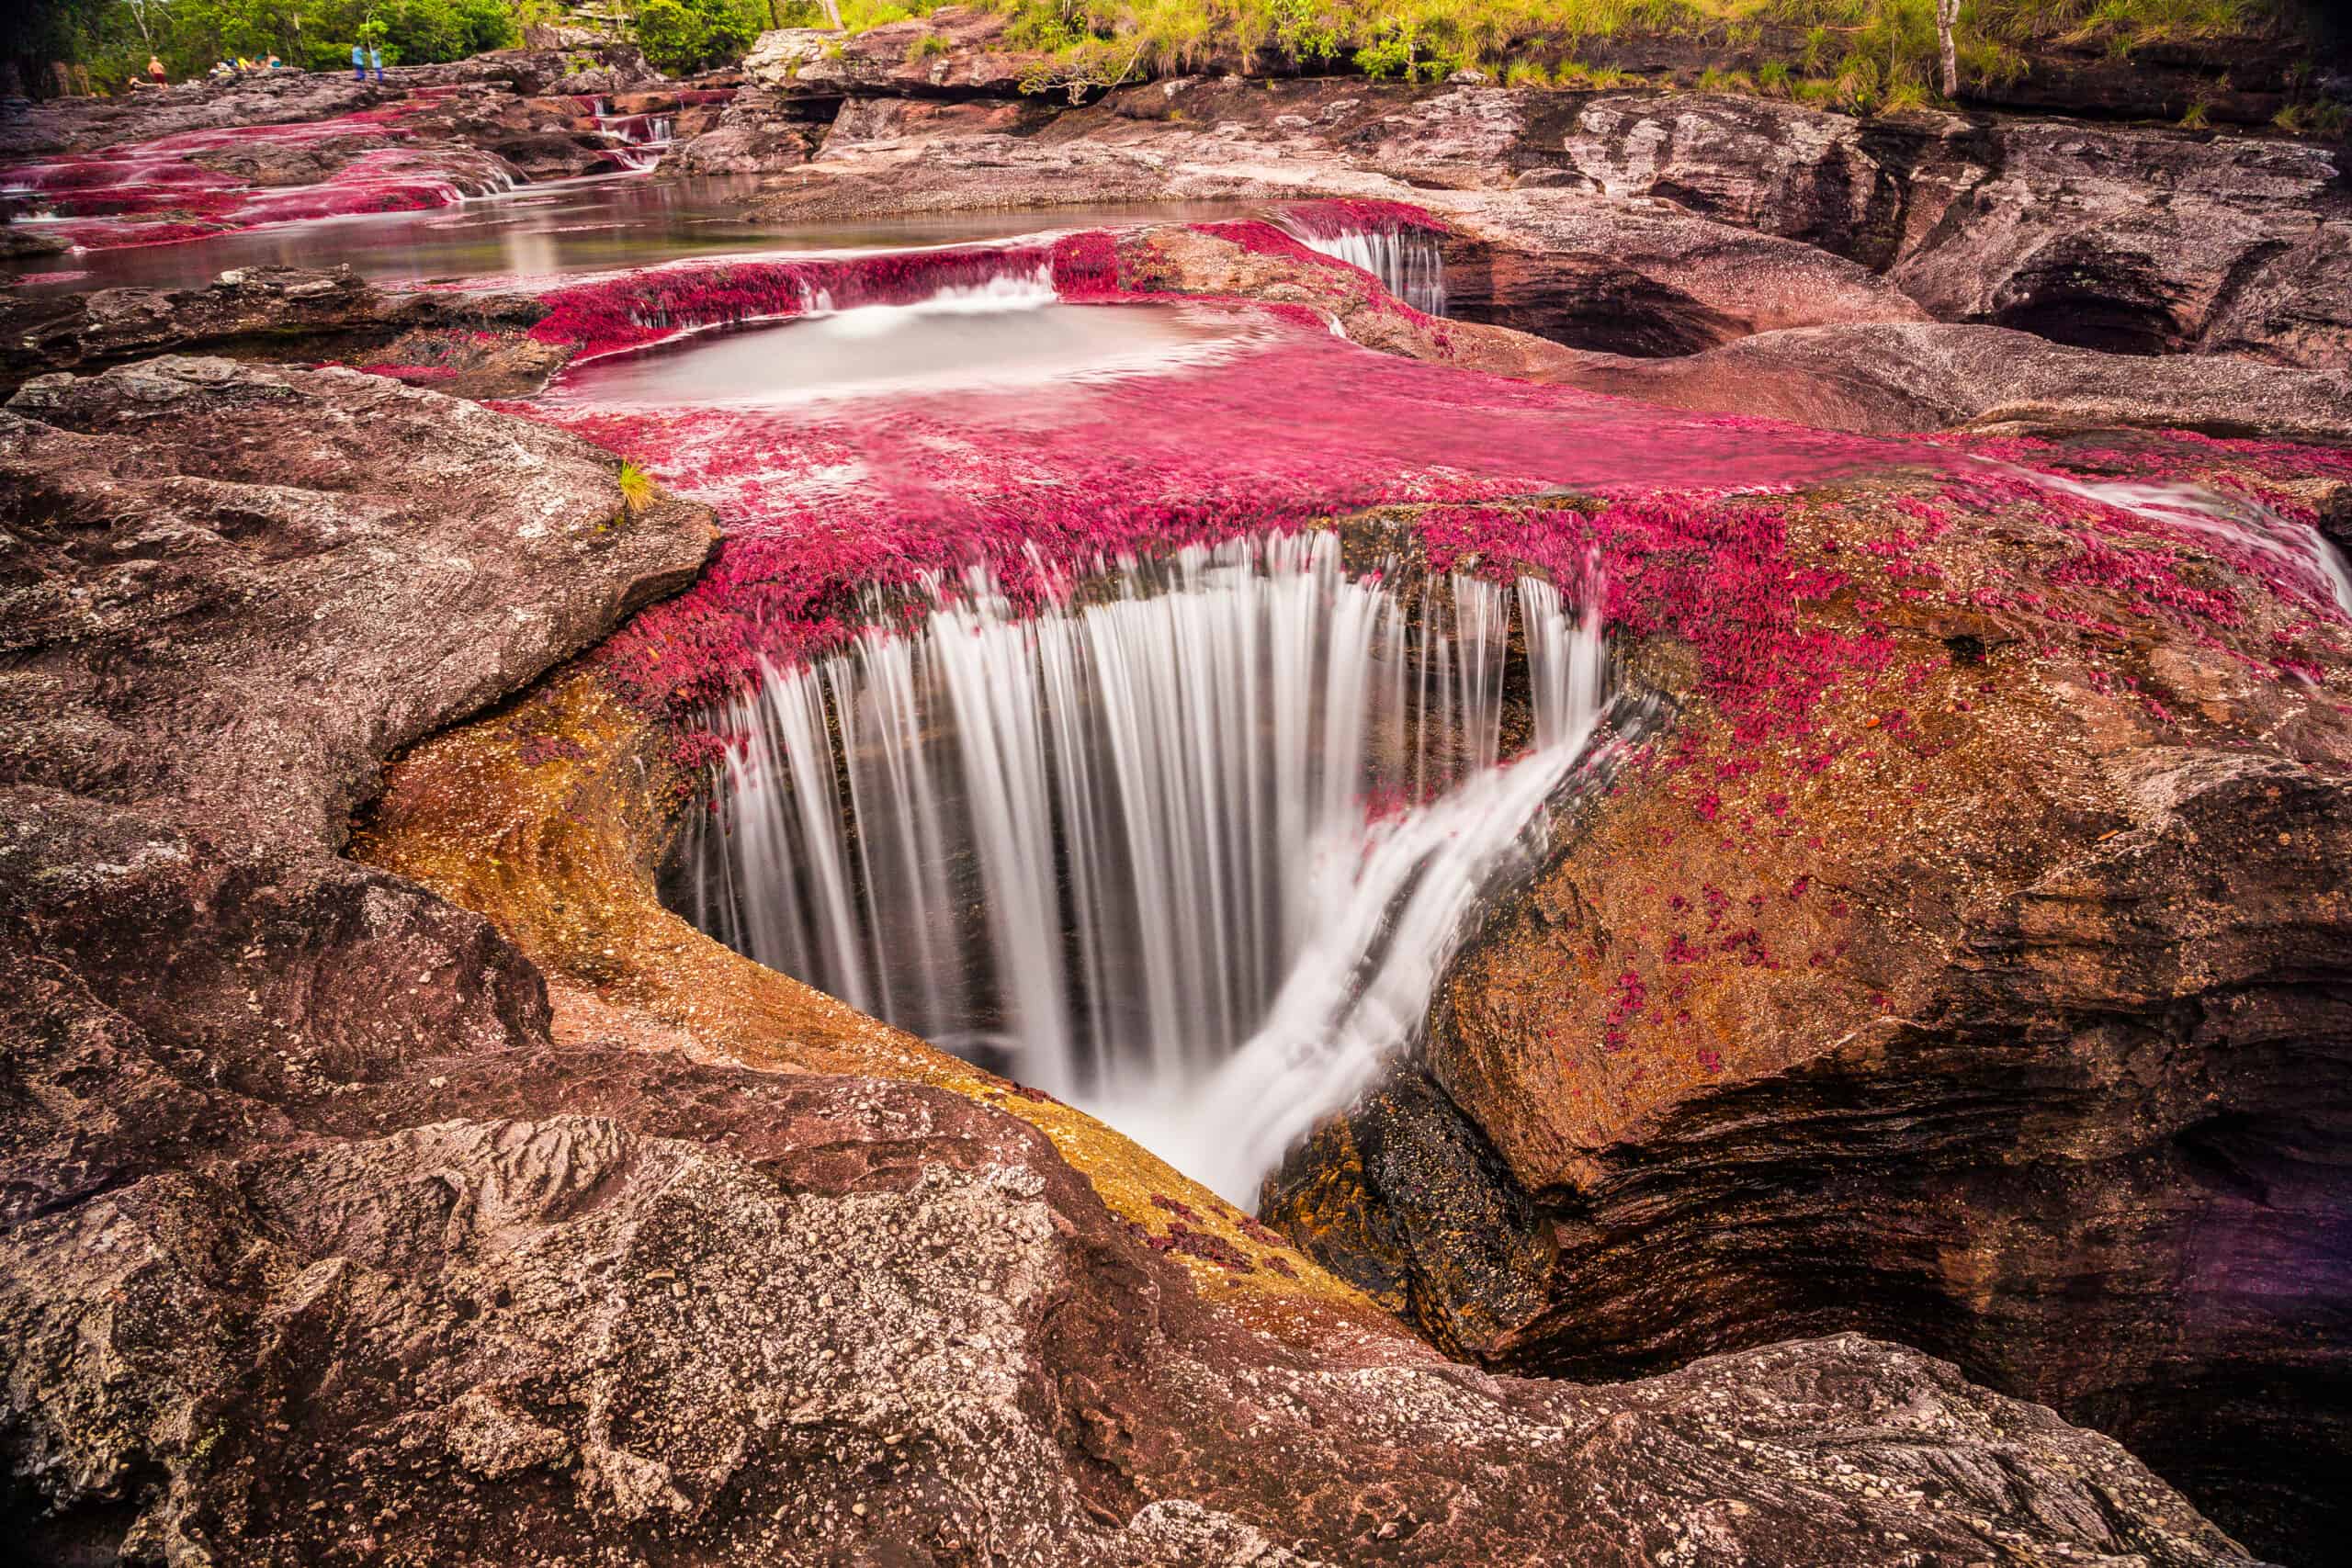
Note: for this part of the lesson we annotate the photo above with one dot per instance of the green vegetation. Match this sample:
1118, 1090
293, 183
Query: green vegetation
1868, 55
637, 488
114, 38
685, 35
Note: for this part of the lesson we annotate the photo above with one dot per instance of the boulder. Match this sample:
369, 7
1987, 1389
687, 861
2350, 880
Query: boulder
957, 51
192, 541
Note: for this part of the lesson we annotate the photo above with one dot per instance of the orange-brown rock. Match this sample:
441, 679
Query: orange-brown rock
2004, 1007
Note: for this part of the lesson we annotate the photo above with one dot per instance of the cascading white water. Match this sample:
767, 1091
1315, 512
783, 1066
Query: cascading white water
1128, 849
637, 141
2238, 520
1407, 261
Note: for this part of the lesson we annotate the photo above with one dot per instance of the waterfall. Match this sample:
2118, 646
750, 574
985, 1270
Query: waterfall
1030, 290
1407, 261
639, 140
1189, 851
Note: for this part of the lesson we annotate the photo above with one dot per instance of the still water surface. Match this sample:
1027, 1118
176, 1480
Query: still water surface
598, 224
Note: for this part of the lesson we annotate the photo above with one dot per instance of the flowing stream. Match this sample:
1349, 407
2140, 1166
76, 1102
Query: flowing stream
1190, 851
2299, 548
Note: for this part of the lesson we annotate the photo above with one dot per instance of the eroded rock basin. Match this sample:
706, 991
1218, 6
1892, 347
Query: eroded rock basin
1913, 698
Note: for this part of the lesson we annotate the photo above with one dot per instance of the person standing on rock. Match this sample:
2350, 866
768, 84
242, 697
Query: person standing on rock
359, 62
377, 60
155, 71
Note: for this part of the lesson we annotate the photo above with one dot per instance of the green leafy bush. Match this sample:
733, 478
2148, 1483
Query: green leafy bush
684, 36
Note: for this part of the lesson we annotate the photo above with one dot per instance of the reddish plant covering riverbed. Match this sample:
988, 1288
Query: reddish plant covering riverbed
832, 508
193, 184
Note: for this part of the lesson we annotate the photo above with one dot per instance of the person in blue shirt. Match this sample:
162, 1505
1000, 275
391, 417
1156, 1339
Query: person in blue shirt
377, 60
359, 62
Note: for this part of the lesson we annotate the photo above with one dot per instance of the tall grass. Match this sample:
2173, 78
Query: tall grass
1867, 54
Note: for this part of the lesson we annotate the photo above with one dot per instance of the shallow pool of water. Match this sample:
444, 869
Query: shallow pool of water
1009, 334
572, 226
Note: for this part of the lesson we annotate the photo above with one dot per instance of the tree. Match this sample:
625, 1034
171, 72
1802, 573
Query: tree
1947, 18
139, 9
685, 35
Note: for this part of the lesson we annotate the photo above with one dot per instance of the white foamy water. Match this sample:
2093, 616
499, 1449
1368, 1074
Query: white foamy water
2298, 547
1407, 261
1006, 291
1126, 850
1010, 331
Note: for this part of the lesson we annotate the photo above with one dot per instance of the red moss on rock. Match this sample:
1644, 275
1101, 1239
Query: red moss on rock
1346, 215
638, 308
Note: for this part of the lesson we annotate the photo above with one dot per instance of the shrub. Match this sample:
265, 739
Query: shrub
683, 36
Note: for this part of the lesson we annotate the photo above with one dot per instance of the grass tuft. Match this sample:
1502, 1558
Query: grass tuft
638, 489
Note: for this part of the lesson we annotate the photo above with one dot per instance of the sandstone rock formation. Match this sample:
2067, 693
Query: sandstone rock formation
281, 97
2145, 243
1885, 378
2135, 241
1642, 223
316, 1246
2001, 1011
955, 51
311, 309
194, 542
758, 132
1868, 190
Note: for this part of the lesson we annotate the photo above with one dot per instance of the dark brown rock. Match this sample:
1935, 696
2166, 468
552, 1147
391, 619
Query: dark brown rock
2150, 243
282, 308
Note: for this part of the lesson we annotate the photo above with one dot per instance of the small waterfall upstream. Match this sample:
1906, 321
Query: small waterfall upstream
1407, 261
639, 140
1189, 851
